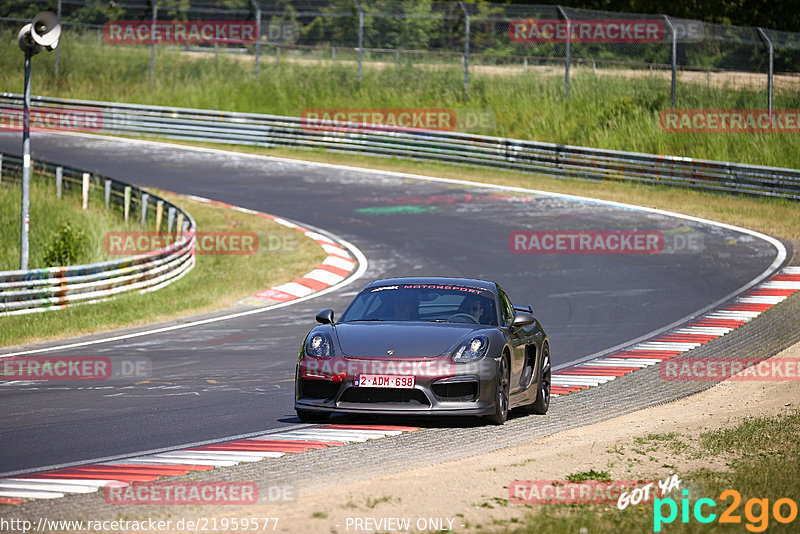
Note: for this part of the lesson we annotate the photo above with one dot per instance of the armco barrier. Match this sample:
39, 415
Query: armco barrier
23, 292
452, 147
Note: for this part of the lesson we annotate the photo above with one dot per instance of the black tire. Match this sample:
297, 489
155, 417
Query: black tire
312, 417
542, 402
500, 414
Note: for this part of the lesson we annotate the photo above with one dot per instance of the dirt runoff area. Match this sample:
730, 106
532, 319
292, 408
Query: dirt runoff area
471, 494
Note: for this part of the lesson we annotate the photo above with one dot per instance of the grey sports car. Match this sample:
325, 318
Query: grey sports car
425, 346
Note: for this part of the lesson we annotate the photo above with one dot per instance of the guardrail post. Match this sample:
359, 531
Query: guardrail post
59, 180
277, 55
127, 202
1, 168
360, 37
159, 214
466, 49
258, 33
179, 225
107, 192
767, 40
145, 199
25, 219
674, 85
170, 218
153, 44
85, 191
58, 14
567, 52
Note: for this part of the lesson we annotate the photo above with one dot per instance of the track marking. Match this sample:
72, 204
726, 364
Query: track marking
261, 447
679, 341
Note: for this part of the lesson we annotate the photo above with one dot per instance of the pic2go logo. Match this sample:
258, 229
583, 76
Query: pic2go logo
758, 521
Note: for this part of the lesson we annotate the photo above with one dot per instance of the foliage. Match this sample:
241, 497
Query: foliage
65, 246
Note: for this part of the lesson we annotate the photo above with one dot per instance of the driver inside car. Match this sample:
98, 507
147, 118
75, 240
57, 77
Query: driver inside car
473, 306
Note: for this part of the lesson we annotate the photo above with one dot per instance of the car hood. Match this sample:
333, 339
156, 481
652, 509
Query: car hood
406, 339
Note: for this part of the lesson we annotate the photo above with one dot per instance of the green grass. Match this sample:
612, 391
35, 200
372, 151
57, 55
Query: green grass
754, 437
604, 111
47, 215
766, 466
215, 282
600, 476
373, 502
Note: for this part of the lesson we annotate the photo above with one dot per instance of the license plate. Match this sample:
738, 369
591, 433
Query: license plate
384, 381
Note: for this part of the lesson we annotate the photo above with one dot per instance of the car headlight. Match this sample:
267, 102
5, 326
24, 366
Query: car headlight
318, 345
471, 350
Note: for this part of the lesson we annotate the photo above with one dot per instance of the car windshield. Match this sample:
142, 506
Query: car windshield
424, 302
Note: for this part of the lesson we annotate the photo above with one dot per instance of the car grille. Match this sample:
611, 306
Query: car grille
456, 391
412, 397
318, 389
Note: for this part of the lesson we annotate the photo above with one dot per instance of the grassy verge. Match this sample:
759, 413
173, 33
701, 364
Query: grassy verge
215, 282
611, 110
763, 462
777, 217
48, 216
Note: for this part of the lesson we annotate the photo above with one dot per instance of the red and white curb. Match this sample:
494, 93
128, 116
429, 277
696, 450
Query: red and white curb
89, 478
699, 331
336, 267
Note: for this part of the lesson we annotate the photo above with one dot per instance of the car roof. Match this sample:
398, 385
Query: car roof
438, 280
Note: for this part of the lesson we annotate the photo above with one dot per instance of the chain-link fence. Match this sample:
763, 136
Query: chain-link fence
463, 41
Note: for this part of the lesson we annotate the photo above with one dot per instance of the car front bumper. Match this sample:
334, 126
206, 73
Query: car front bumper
441, 388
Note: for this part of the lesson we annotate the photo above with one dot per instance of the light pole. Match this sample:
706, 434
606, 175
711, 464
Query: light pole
42, 32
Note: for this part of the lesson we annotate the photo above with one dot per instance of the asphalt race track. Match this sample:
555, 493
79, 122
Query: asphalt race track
234, 377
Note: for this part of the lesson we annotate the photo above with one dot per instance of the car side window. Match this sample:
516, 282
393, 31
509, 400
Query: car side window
506, 308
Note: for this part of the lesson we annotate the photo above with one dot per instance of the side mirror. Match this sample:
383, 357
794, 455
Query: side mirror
325, 316
522, 318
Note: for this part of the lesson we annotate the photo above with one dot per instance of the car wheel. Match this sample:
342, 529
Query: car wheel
312, 417
502, 394
542, 402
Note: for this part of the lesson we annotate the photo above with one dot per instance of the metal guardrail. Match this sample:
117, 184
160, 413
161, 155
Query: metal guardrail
451, 147
37, 290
